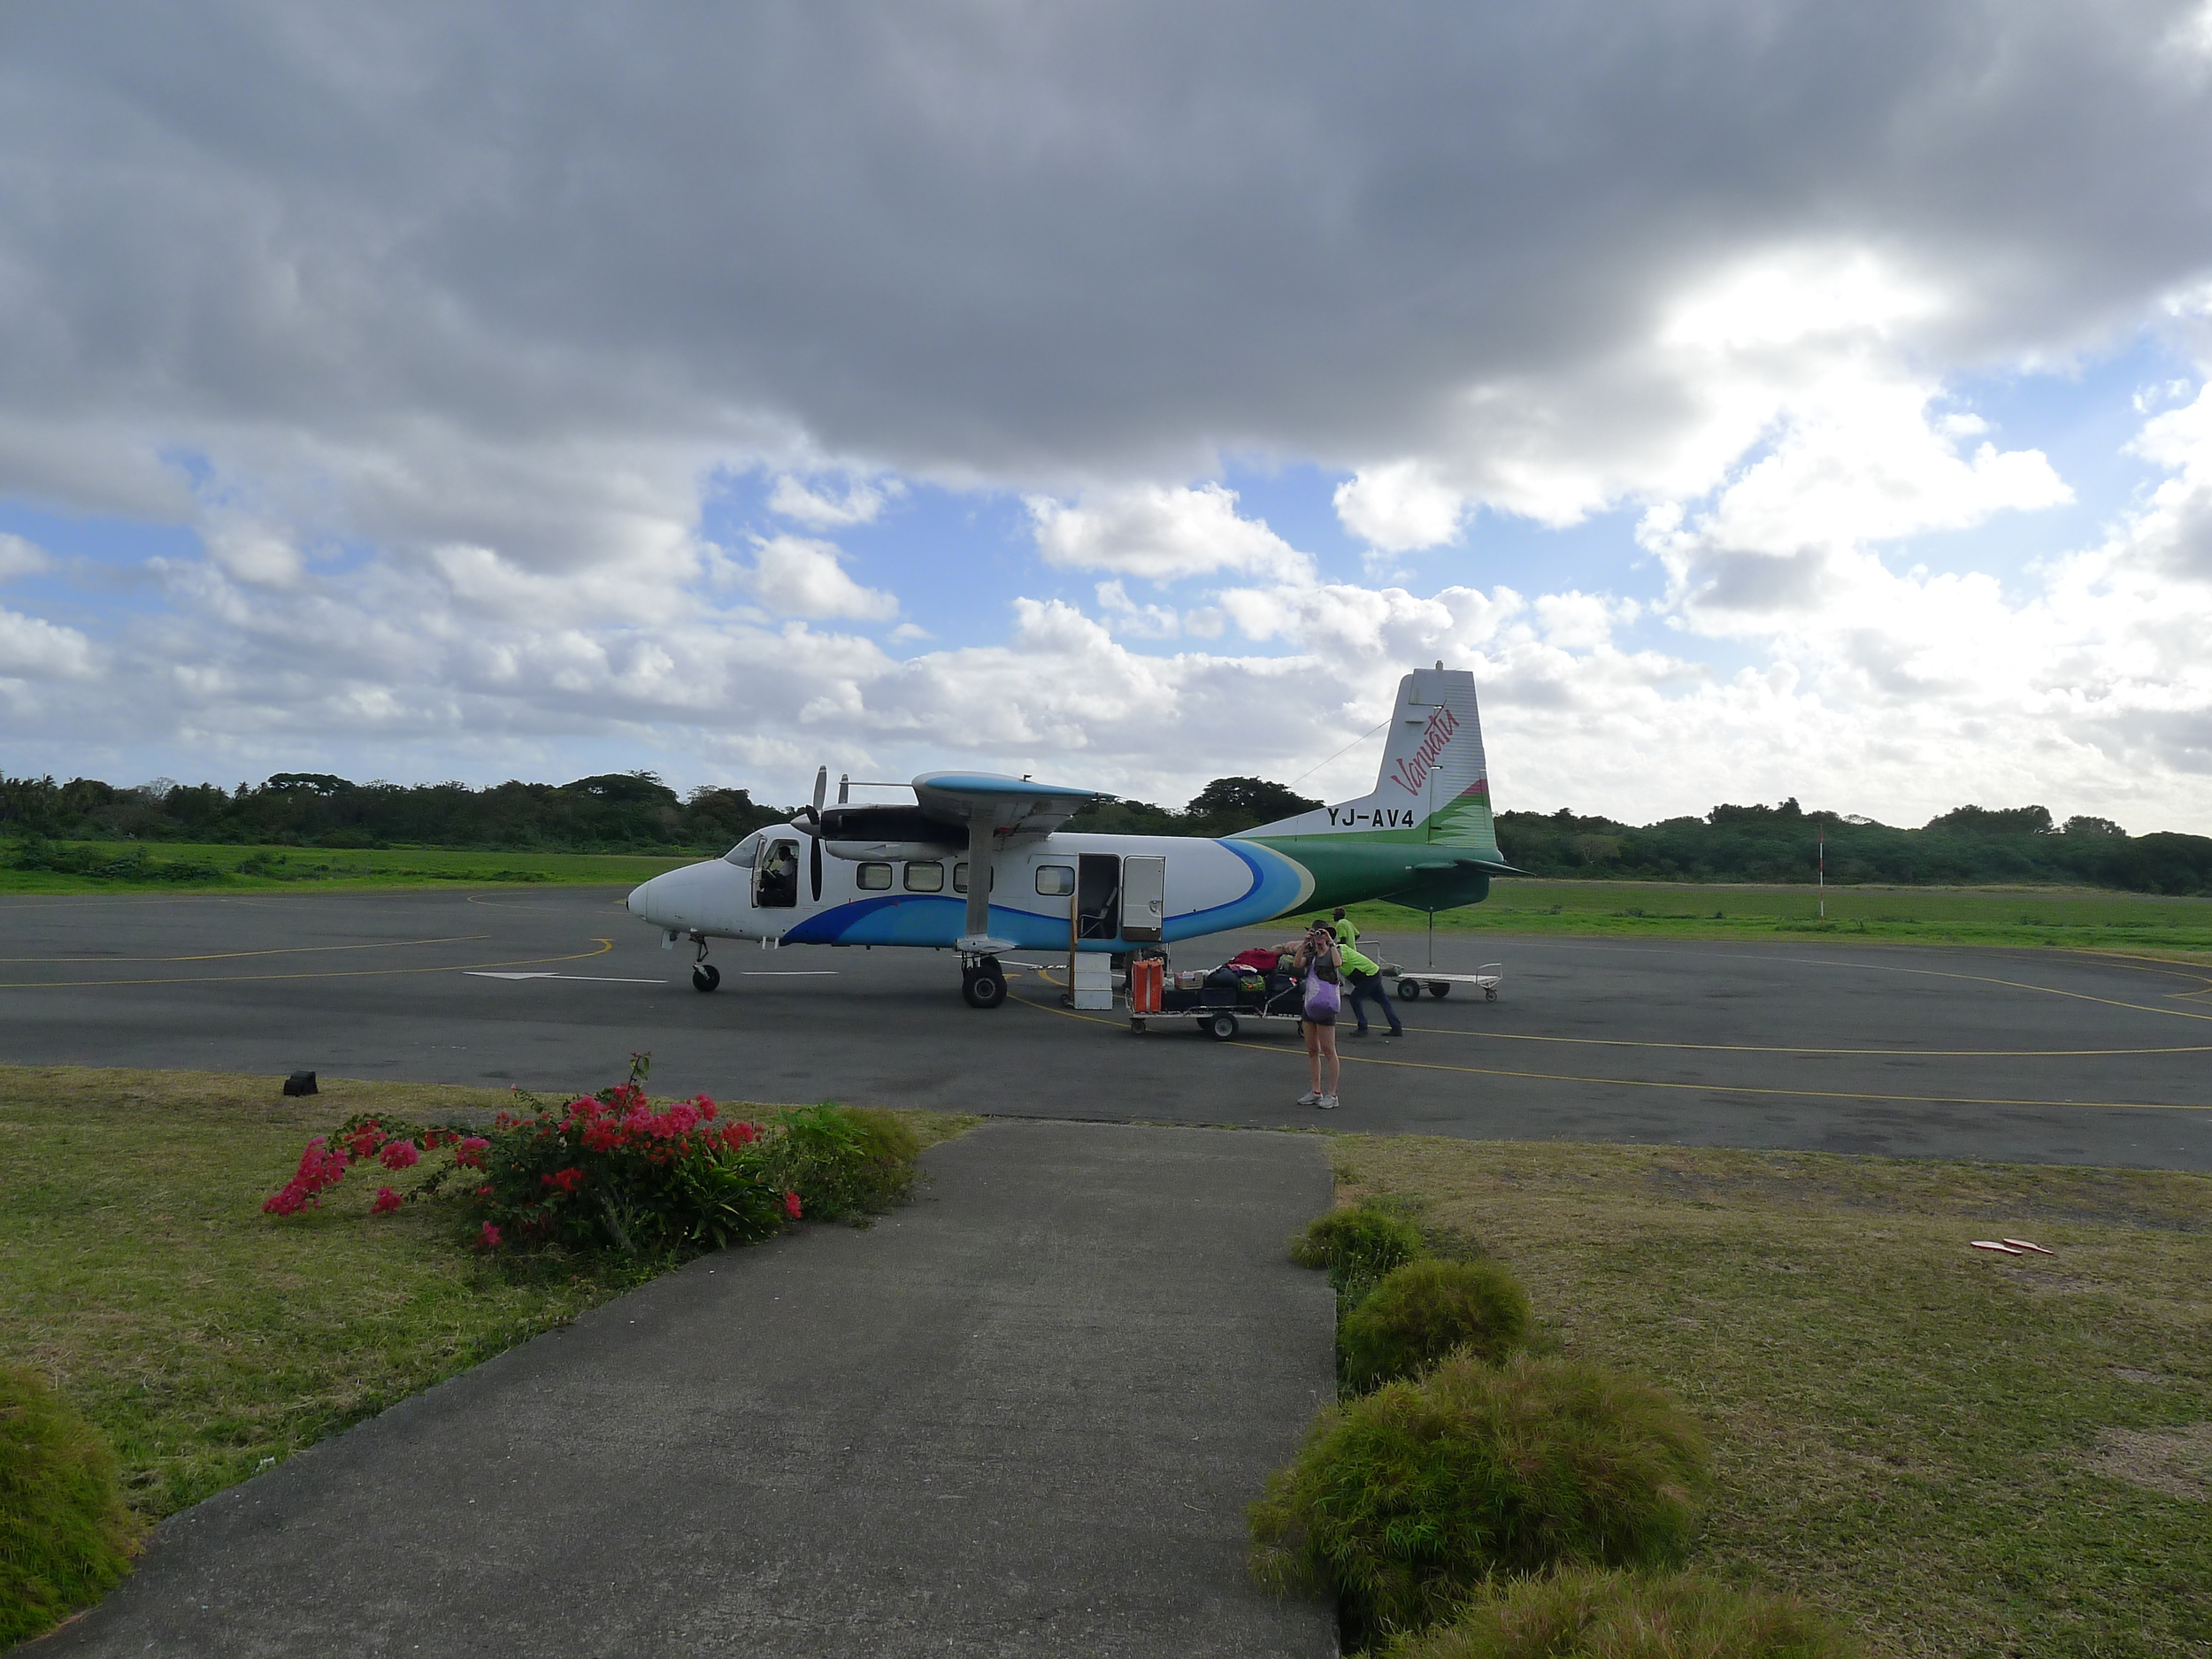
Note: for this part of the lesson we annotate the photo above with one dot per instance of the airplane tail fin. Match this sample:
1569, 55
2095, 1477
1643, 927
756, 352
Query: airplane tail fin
1434, 786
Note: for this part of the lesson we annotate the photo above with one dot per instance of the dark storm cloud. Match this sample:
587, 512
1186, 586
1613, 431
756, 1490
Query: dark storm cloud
1021, 240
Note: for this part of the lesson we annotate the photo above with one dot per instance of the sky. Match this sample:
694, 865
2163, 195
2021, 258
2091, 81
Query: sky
1762, 400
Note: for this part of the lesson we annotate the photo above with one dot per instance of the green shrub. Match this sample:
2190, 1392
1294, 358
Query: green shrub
607, 1171
851, 1162
1402, 1503
1593, 1614
1424, 1311
1357, 1246
65, 1537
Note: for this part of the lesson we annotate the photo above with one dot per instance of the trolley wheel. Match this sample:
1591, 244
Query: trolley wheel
1439, 988
705, 977
1409, 990
1220, 1027
1490, 994
984, 986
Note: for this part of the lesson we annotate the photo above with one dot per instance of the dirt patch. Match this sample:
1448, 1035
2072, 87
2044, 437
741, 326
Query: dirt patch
2177, 1463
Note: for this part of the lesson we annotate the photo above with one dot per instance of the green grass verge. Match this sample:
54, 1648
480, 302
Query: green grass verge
1962, 1453
2082, 918
205, 1340
291, 868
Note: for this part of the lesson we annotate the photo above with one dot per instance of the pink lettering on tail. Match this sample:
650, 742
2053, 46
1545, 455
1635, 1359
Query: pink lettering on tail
1413, 770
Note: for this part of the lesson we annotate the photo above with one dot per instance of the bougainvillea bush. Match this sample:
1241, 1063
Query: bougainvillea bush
611, 1170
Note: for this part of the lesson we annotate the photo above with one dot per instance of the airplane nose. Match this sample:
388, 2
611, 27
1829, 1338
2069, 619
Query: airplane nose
638, 903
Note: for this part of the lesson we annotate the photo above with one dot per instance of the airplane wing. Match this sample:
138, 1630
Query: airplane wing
1008, 805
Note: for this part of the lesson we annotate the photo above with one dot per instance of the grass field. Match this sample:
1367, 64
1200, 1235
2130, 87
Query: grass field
205, 1340
2082, 918
1961, 1453
296, 867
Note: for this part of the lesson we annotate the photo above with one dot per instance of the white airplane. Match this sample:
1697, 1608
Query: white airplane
901, 875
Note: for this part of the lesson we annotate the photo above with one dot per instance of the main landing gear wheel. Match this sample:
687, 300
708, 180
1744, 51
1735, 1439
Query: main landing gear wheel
1439, 988
1409, 990
705, 977
984, 985
1222, 1027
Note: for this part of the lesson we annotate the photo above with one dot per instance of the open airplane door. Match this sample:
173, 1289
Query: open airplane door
1143, 899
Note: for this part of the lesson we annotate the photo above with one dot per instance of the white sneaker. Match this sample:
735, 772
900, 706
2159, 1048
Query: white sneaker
1327, 1102
1311, 1097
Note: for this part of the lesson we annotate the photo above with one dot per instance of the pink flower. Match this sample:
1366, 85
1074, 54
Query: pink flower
470, 1153
319, 1167
791, 1204
386, 1201
401, 1155
739, 1135
364, 1140
285, 1201
566, 1180
487, 1239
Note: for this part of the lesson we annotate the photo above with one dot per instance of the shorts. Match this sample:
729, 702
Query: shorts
1328, 1019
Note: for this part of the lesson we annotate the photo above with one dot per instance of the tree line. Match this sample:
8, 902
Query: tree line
1966, 847
636, 812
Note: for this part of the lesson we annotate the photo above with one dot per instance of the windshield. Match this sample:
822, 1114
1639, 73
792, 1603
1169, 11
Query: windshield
743, 854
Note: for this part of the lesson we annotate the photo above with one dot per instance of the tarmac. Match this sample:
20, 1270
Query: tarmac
1812, 1043
1021, 1416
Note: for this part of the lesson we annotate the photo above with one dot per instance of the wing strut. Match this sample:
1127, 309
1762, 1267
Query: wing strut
978, 879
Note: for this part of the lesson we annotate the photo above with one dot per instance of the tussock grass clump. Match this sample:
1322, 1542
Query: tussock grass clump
1404, 1503
1424, 1311
1594, 1614
851, 1162
1357, 1246
65, 1537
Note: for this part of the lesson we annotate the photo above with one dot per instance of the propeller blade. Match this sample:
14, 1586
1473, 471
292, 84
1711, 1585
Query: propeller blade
821, 792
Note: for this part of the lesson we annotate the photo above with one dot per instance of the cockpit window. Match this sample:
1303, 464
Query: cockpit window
743, 854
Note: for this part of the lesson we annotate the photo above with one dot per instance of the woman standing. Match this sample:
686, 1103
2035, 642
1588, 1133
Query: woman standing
1317, 961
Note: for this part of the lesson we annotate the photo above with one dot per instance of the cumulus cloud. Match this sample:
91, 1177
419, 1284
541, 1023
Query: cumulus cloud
1399, 508
19, 557
794, 576
1162, 535
34, 648
820, 509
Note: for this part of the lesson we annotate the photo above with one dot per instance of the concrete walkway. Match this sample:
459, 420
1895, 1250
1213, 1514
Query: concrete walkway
1021, 1415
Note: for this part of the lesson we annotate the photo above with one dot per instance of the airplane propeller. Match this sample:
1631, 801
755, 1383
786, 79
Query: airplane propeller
812, 814
814, 841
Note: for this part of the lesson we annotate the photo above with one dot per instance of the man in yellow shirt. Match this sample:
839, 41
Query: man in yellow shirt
1364, 979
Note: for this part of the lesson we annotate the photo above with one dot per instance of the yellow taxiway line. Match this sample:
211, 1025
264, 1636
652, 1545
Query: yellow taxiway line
1635, 1082
224, 956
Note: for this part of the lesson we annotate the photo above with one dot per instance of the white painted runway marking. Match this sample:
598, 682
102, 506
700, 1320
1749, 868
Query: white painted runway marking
590, 978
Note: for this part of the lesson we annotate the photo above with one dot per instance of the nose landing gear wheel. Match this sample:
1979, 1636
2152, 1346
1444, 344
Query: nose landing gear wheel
705, 977
985, 984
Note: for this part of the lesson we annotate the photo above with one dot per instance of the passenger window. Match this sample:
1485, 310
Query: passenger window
875, 878
960, 878
1056, 881
925, 878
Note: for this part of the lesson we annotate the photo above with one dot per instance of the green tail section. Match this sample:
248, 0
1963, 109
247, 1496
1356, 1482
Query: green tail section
1425, 835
